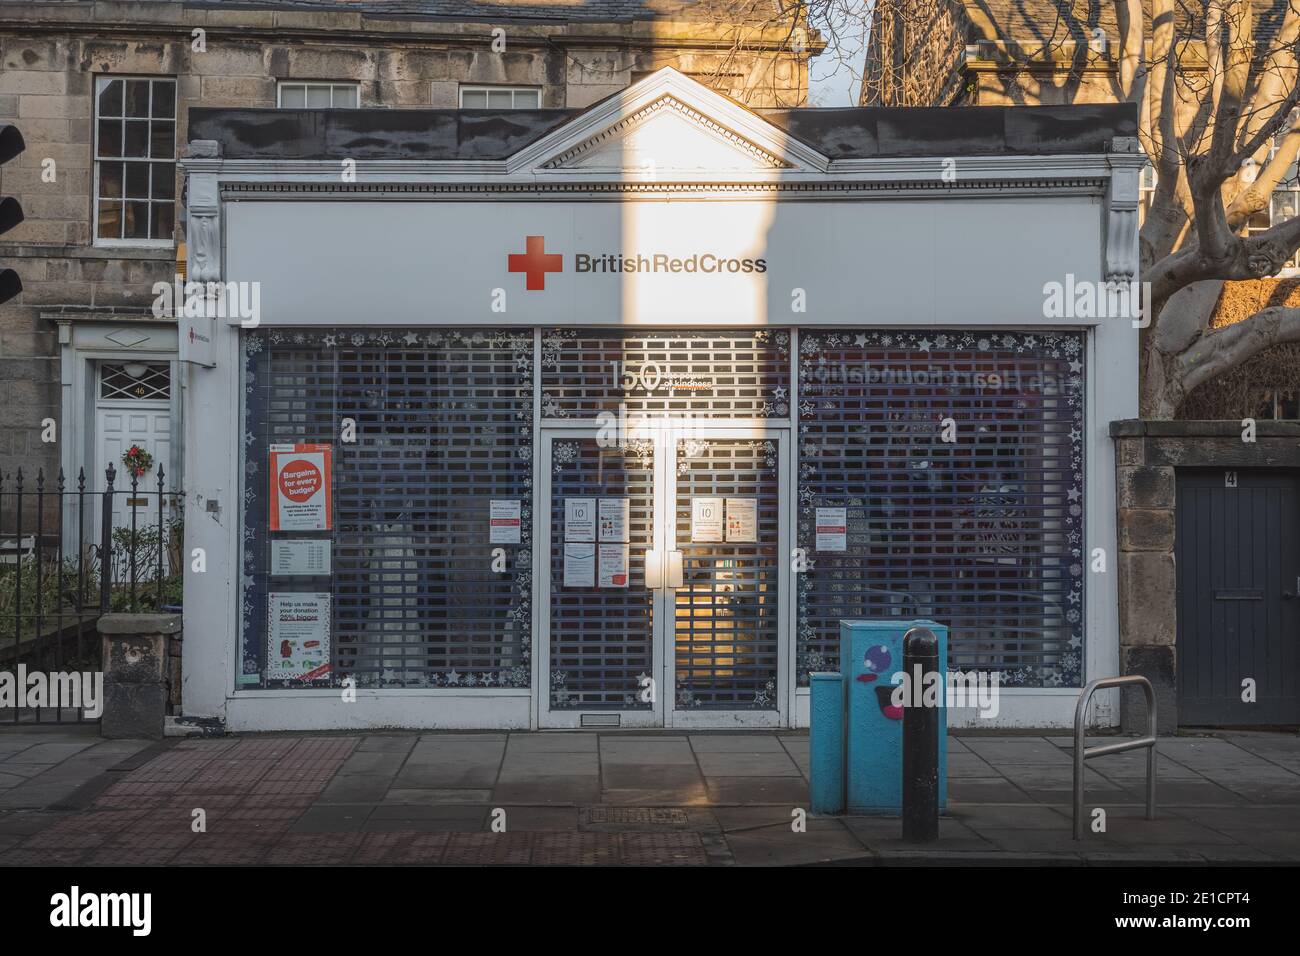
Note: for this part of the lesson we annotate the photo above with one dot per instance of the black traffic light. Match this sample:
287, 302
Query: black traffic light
11, 213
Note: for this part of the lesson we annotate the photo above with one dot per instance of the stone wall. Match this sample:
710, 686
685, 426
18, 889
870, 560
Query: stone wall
50, 52
1147, 458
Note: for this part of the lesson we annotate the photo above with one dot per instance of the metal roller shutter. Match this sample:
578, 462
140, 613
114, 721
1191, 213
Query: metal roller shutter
443, 426
984, 533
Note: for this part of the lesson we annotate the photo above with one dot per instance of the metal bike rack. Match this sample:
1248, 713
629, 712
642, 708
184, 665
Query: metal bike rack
1081, 753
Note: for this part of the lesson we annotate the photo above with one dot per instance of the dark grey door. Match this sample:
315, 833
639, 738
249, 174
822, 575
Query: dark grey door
1238, 556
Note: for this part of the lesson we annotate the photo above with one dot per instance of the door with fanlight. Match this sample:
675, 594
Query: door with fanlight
664, 591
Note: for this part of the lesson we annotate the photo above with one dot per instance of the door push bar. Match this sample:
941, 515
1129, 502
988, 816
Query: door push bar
663, 569
1082, 753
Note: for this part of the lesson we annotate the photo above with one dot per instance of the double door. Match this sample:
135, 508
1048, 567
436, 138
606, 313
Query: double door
664, 593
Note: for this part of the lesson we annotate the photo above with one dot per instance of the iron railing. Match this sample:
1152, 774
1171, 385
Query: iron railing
70, 553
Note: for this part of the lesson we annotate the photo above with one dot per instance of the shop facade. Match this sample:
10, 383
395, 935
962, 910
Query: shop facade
607, 418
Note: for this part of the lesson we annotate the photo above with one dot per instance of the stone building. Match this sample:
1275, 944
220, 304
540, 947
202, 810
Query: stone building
101, 92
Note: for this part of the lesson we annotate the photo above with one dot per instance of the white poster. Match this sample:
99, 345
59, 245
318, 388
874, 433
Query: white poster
295, 556
579, 519
298, 636
505, 521
832, 529
611, 560
706, 519
742, 519
614, 516
579, 565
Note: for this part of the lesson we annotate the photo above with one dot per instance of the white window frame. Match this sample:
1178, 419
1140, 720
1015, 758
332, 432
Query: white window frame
331, 85
102, 80
489, 88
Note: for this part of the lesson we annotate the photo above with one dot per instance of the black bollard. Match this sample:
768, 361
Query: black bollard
920, 740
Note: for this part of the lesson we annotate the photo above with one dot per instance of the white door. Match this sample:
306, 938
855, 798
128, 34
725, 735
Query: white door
133, 408
695, 633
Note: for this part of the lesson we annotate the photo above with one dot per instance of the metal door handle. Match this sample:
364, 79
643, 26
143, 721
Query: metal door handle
674, 569
654, 569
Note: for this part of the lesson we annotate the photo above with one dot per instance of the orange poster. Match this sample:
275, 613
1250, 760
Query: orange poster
300, 487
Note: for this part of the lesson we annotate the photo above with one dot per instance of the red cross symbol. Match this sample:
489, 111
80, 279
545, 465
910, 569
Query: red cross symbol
535, 263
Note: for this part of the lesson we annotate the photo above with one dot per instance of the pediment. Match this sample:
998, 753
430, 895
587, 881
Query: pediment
667, 134
663, 127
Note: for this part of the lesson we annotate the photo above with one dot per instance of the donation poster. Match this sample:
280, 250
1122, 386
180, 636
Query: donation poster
579, 519
300, 487
611, 565
832, 529
614, 515
300, 556
505, 521
298, 635
742, 519
579, 565
706, 519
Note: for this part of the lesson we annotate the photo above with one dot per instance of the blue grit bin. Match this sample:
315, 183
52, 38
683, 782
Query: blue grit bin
868, 777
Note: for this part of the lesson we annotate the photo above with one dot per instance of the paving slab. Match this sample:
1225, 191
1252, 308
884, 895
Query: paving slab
341, 818
792, 791
749, 743
437, 797
823, 842
1017, 751
519, 766
575, 790
886, 833
622, 776
546, 743
687, 795
736, 764
386, 744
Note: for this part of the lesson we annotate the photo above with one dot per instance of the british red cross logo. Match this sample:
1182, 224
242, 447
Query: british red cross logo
535, 263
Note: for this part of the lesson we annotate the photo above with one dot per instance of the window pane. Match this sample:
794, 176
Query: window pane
137, 180
318, 97
292, 96
526, 99
164, 181
345, 97
162, 137
110, 220
137, 138
164, 99
162, 219
110, 137
110, 99
1259, 220
1288, 404
137, 97
1284, 205
473, 99
136, 224
110, 180
499, 99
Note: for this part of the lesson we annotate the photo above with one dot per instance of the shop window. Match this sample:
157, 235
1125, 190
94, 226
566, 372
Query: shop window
293, 95
983, 533
417, 589
500, 98
135, 160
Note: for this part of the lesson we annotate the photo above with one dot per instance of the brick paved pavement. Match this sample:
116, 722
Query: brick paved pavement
67, 797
